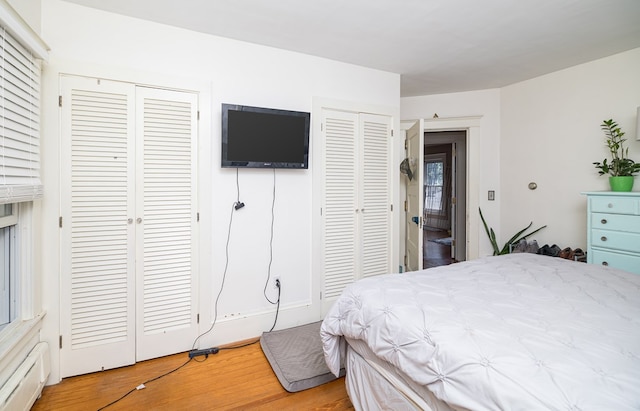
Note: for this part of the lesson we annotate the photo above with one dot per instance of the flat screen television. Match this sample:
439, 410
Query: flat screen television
258, 137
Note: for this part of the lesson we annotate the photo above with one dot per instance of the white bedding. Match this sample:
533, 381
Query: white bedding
515, 332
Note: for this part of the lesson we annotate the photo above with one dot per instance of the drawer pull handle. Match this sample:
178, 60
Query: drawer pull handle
605, 263
610, 205
603, 221
603, 238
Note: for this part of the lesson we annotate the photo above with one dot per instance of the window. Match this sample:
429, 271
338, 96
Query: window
9, 289
433, 184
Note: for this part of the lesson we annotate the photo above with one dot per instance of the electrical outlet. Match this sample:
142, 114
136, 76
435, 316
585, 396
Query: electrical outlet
276, 280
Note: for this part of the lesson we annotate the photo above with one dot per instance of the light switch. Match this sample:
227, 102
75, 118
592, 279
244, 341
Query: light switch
492, 195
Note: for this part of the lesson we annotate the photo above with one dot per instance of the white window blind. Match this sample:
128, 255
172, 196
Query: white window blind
19, 111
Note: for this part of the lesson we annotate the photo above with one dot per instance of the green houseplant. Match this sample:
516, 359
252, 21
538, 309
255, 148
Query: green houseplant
621, 168
520, 235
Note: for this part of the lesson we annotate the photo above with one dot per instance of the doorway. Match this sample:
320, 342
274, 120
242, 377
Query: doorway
467, 222
444, 193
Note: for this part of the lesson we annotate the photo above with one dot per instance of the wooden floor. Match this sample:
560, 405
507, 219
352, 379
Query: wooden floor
239, 379
435, 254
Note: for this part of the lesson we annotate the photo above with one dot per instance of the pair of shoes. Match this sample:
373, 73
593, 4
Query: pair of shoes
566, 253
579, 255
552, 251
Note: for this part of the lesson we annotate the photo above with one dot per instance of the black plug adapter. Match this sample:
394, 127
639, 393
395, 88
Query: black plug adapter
239, 205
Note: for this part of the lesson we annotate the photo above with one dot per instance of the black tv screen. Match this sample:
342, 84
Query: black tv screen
259, 137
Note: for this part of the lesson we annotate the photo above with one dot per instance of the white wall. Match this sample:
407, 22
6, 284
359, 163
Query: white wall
545, 130
551, 135
29, 10
485, 103
89, 42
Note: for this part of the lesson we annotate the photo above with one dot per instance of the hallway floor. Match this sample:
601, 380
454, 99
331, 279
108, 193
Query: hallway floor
436, 254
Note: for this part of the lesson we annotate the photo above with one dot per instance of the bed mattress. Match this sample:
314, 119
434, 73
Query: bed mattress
517, 332
373, 384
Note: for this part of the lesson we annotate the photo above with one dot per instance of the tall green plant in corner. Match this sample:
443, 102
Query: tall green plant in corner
513, 240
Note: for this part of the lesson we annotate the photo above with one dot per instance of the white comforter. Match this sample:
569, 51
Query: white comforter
515, 332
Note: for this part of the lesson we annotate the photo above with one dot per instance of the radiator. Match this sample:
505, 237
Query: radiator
25, 385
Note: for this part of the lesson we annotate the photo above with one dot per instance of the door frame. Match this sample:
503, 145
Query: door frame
472, 126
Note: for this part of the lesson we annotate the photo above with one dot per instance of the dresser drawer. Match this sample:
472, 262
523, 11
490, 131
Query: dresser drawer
619, 205
618, 240
625, 262
618, 222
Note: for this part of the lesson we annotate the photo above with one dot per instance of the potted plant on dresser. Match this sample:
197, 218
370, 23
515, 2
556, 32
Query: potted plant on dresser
621, 168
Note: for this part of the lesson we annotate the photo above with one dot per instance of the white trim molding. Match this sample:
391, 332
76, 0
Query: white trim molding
14, 24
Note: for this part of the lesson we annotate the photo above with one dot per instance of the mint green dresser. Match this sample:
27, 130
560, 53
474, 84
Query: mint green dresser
613, 229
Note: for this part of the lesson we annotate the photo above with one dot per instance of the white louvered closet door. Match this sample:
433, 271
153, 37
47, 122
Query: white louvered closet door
128, 200
166, 222
375, 197
97, 198
356, 216
340, 203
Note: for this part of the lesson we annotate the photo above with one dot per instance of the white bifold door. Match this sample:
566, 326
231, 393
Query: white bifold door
356, 199
128, 223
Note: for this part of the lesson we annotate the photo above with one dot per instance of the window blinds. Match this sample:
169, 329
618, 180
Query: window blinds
19, 114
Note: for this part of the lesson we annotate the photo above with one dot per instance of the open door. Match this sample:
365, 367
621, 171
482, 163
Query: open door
415, 197
459, 199
454, 200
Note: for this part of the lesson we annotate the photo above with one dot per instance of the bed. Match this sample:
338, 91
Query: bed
514, 332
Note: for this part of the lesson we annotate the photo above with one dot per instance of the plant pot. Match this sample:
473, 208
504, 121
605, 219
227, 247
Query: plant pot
621, 183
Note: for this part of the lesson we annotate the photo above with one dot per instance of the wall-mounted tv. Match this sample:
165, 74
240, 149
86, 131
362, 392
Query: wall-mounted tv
259, 137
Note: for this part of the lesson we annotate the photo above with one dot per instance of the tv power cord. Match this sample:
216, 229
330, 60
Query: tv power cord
214, 350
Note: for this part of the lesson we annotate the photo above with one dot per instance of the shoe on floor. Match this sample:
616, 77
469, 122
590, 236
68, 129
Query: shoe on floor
579, 255
554, 250
544, 250
521, 247
532, 247
566, 253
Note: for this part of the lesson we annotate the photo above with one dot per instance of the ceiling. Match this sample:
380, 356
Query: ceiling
438, 46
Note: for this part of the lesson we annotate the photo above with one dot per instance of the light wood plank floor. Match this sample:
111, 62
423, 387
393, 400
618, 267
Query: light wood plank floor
239, 379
